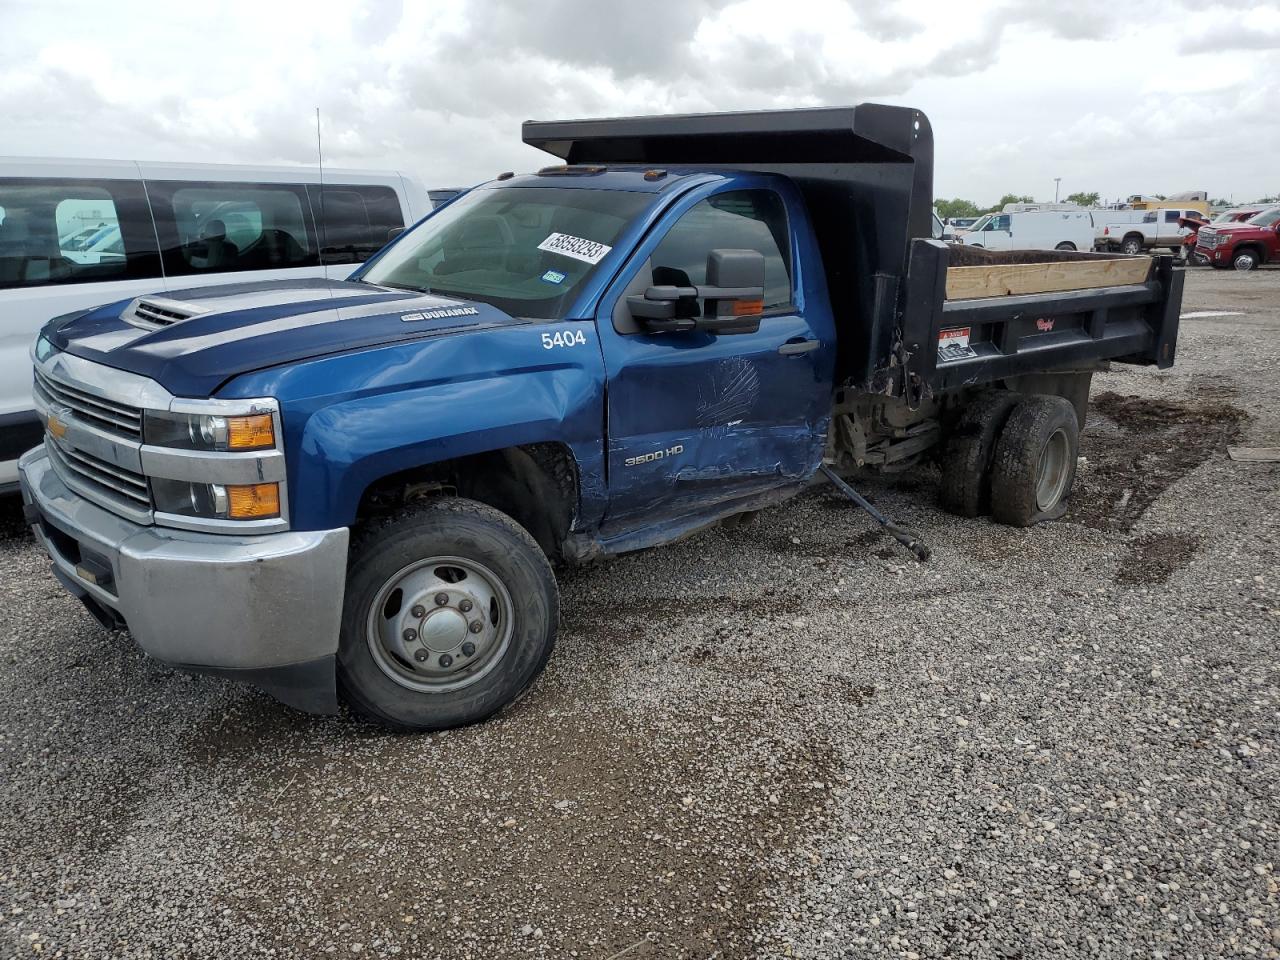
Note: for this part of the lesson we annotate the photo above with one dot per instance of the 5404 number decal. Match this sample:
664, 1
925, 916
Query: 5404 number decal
563, 338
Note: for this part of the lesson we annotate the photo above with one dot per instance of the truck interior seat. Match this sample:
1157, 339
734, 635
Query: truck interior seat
214, 249
482, 242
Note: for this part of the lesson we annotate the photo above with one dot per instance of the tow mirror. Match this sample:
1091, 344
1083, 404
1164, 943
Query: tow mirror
733, 298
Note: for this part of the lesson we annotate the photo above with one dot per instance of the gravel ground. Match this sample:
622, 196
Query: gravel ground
784, 739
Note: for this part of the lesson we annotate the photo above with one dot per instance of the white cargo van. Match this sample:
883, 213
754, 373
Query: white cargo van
1032, 230
78, 233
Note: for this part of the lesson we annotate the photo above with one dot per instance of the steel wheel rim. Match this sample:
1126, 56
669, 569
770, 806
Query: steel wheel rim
422, 631
1244, 262
1051, 472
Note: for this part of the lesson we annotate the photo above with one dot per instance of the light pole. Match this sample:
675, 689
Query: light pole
1056, 181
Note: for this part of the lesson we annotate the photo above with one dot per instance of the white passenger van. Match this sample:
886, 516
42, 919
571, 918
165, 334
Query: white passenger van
78, 233
1032, 230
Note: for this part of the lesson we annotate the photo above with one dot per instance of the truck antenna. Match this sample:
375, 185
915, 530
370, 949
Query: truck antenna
324, 233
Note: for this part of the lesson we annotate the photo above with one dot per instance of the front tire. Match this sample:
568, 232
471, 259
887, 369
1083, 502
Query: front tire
1066, 246
450, 614
1035, 462
1245, 260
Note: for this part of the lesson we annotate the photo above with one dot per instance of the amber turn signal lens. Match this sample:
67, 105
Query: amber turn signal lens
747, 308
253, 501
250, 433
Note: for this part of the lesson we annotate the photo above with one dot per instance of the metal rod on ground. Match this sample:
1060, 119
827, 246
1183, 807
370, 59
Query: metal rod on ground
904, 537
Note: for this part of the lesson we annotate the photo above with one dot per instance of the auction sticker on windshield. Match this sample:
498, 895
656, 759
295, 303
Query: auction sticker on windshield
588, 251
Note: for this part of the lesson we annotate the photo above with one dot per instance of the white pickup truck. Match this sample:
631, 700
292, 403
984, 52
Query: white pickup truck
1133, 231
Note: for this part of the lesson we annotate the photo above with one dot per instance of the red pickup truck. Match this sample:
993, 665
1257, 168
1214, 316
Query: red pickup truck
1243, 245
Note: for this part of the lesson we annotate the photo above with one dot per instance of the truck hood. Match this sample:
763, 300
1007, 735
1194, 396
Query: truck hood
194, 341
1235, 229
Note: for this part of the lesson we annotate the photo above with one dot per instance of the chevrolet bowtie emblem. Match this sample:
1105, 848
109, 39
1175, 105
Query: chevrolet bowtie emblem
57, 427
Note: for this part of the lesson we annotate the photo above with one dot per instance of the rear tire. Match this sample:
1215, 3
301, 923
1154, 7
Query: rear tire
1131, 246
966, 462
450, 613
1035, 462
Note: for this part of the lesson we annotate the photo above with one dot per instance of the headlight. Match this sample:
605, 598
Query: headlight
44, 348
217, 501
200, 431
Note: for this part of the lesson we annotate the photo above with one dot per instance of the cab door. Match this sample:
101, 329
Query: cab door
695, 419
998, 234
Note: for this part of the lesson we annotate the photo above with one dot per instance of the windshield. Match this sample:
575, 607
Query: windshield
1266, 218
978, 224
522, 249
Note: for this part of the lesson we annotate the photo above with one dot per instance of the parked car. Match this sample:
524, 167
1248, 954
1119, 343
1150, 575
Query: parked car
1244, 245
1237, 214
1032, 230
78, 233
363, 485
1139, 230
960, 225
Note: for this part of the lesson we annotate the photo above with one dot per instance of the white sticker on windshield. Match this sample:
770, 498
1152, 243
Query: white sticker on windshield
588, 251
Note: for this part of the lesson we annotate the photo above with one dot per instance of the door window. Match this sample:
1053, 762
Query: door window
737, 220
231, 227
999, 223
74, 231
1171, 216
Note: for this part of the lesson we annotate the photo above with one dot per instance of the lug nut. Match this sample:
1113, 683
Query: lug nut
476, 626
419, 611
465, 606
468, 648
441, 599
410, 635
445, 660
420, 656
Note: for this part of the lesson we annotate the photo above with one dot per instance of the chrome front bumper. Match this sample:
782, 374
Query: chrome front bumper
263, 608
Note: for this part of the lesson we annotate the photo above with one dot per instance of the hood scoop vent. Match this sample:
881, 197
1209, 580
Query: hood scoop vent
151, 313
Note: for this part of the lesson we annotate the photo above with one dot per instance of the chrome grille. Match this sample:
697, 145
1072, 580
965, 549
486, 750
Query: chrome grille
149, 312
101, 477
117, 418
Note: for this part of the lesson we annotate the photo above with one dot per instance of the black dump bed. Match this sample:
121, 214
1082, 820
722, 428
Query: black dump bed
866, 173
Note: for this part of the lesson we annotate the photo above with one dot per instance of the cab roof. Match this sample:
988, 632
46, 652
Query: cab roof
633, 178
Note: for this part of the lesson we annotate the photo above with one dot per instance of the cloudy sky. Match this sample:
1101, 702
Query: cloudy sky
1118, 96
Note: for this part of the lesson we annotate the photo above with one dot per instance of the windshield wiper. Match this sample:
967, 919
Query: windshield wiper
397, 286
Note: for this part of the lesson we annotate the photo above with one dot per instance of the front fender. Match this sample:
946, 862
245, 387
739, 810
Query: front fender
352, 419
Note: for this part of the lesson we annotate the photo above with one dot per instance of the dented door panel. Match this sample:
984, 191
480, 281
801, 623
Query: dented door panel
695, 419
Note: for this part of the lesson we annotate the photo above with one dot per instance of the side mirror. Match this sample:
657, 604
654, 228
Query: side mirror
733, 298
734, 293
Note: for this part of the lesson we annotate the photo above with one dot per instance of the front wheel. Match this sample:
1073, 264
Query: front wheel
450, 613
1246, 260
1066, 246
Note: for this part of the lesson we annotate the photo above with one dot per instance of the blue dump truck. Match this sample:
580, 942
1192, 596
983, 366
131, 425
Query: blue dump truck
357, 491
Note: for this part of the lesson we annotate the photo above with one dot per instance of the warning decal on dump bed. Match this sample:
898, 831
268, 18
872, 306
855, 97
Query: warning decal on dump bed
954, 345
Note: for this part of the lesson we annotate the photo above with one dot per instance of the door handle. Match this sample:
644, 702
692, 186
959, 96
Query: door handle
798, 345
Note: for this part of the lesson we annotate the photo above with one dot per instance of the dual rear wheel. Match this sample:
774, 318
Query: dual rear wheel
1013, 456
